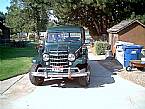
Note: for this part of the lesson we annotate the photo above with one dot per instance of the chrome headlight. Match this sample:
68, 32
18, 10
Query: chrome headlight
45, 57
71, 57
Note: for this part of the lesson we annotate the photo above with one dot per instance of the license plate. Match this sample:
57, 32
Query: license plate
57, 68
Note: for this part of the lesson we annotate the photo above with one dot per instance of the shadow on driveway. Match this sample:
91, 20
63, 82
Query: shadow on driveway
99, 77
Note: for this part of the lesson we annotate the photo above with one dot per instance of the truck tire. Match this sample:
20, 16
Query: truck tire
35, 79
84, 81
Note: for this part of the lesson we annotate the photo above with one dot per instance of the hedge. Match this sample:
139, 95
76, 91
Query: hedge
100, 47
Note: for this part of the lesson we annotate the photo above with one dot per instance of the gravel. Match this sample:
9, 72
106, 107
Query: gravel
135, 75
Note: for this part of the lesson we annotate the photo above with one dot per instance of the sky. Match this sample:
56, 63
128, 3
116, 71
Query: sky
3, 5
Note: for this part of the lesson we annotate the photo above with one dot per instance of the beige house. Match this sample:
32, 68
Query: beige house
130, 31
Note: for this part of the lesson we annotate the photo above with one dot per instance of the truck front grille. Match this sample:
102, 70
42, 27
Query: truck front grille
58, 58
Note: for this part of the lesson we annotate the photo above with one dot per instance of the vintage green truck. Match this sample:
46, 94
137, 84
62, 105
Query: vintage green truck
63, 54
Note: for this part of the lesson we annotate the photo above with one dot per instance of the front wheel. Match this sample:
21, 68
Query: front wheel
34, 79
84, 81
129, 68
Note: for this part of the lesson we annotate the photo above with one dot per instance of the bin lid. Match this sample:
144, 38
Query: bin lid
132, 46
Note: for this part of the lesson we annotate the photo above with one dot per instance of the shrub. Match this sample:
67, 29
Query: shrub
100, 47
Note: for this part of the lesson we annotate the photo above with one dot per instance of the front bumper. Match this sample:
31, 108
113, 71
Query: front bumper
70, 74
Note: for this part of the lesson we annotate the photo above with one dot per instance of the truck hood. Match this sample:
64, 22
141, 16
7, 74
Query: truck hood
63, 46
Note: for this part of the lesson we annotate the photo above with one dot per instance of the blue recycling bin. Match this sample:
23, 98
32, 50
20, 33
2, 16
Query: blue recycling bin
131, 52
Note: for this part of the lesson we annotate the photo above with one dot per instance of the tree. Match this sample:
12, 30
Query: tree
97, 15
28, 15
14, 19
84, 13
138, 10
141, 18
2, 17
91, 14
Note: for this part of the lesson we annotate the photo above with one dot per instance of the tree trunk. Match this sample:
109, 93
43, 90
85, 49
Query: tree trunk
27, 37
97, 28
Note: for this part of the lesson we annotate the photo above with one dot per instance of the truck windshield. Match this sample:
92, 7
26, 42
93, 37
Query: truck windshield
66, 37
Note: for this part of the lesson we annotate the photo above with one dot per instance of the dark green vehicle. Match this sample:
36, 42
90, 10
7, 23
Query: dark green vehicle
63, 54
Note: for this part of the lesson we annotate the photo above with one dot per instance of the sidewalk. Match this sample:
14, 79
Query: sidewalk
7, 84
91, 56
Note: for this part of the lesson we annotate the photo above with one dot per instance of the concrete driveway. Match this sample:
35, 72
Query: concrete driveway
106, 91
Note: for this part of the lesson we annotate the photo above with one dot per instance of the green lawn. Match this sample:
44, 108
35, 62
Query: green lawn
15, 61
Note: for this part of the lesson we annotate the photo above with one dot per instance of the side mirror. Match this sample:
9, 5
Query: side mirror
87, 42
84, 50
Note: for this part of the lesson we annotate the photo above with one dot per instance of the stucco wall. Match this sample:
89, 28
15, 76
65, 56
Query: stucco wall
112, 39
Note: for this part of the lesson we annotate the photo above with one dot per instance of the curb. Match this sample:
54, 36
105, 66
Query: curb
11, 84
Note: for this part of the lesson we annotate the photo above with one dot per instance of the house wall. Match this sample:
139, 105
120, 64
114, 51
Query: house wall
110, 38
134, 33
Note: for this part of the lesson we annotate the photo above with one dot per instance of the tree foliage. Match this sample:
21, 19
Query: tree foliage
14, 19
96, 15
2, 17
28, 15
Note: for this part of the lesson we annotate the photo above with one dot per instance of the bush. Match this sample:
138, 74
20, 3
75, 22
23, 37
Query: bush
100, 47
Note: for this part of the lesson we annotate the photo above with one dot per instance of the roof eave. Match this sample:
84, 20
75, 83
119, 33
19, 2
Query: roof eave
109, 31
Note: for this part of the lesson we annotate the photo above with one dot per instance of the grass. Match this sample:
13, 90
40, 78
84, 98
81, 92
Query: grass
15, 61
